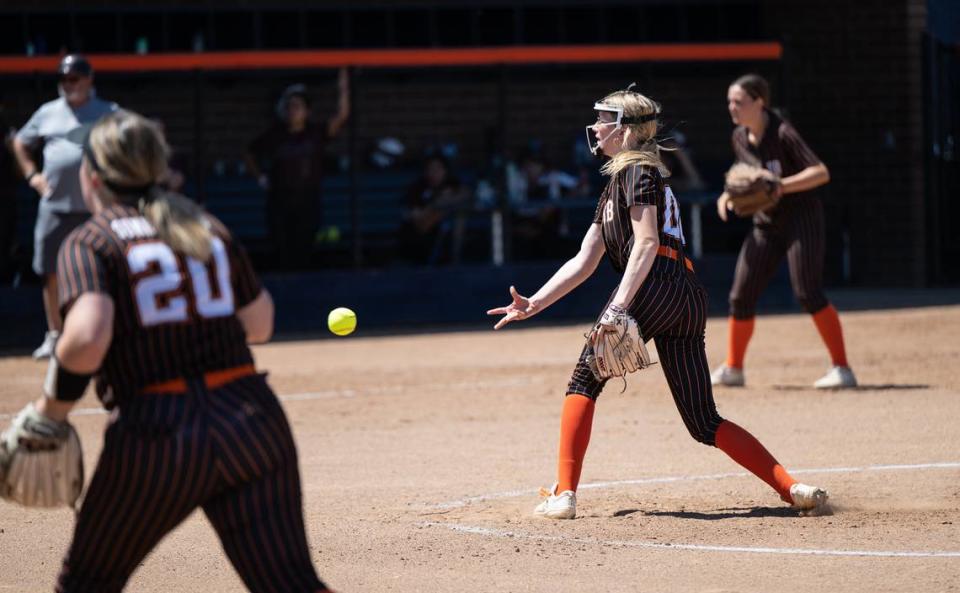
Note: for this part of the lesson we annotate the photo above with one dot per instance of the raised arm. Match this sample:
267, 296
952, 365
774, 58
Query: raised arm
343, 103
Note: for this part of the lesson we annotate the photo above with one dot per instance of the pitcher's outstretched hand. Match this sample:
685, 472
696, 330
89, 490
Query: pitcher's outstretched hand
520, 308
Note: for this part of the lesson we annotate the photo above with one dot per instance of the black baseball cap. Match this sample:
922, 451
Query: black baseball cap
74, 64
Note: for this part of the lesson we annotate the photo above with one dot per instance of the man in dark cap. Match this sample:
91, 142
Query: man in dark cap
58, 183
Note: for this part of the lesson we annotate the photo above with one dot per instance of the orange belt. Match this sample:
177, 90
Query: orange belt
212, 380
674, 255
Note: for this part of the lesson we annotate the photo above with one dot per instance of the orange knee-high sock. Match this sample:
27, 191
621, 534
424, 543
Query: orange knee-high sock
828, 324
575, 425
746, 450
739, 336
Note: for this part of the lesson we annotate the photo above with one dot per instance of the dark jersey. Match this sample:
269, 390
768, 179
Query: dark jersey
782, 151
639, 185
294, 159
174, 316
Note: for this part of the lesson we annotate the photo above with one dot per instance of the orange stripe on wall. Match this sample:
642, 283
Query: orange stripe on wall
480, 56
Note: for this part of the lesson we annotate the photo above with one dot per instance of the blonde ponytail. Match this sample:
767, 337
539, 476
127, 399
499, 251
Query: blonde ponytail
130, 154
179, 222
647, 154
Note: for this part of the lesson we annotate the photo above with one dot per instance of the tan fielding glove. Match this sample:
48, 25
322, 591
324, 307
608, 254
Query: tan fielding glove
620, 349
751, 189
41, 463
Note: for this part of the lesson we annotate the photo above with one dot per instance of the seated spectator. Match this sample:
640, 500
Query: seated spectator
436, 203
535, 195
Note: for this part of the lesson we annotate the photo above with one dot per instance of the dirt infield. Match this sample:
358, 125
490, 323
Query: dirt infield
421, 456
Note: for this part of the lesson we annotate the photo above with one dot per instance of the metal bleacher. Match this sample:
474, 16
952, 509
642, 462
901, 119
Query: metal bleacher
239, 202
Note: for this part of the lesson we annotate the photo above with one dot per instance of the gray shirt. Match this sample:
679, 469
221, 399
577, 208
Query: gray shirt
61, 157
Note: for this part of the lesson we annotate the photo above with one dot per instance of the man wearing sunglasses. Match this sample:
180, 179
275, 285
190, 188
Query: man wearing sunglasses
58, 183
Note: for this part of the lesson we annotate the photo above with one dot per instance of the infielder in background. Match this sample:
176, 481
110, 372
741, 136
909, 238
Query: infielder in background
637, 224
159, 304
793, 228
61, 206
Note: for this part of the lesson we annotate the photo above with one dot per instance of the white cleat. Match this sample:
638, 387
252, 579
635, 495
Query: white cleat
557, 506
46, 348
727, 376
837, 378
809, 500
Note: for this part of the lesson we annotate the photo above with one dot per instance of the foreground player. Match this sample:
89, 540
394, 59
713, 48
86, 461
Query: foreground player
793, 229
637, 225
159, 304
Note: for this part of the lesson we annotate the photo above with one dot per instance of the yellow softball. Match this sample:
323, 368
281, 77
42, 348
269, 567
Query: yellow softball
342, 321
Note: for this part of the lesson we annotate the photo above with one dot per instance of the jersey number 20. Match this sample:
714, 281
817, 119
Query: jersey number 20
168, 281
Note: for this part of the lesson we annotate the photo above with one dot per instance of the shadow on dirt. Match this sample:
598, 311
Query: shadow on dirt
720, 514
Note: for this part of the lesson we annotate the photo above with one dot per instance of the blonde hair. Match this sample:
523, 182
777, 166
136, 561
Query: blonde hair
130, 154
639, 140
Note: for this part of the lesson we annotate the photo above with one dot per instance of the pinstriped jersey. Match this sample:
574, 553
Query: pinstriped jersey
781, 151
639, 185
174, 315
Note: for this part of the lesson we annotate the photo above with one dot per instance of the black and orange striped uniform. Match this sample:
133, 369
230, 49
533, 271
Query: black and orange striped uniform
193, 424
794, 228
671, 304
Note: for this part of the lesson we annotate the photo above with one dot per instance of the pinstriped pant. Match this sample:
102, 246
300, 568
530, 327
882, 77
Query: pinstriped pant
671, 310
797, 234
229, 451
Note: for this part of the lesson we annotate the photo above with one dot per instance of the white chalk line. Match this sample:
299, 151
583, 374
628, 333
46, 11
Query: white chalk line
506, 534
502, 533
453, 504
351, 393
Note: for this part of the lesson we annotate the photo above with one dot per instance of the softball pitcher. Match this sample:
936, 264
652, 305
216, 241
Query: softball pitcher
159, 304
794, 229
637, 225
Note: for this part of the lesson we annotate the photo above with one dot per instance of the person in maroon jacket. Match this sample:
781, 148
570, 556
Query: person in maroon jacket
287, 161
793, 229
159, 303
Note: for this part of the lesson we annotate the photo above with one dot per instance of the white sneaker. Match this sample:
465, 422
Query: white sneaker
557, 506
727, 376
808, 499
837, 378
46, 349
